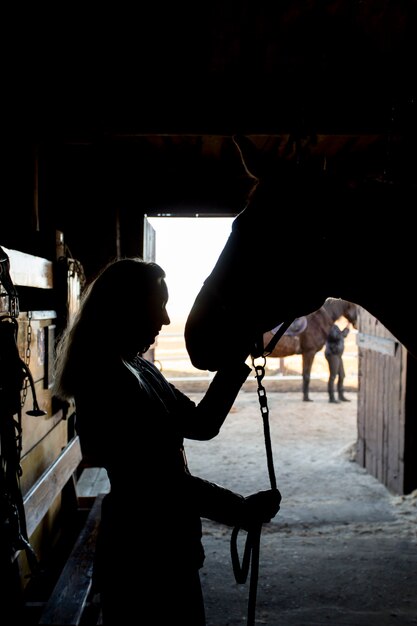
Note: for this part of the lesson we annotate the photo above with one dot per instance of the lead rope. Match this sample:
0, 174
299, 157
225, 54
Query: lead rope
251, 550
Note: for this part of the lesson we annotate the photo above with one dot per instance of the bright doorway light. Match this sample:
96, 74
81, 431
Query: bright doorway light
187, 248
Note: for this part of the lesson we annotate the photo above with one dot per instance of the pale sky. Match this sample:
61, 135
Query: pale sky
187, 248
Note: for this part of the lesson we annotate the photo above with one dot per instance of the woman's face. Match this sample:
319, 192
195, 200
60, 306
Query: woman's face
156, 314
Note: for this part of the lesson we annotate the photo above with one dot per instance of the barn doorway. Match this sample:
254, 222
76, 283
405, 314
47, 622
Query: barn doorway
188, 248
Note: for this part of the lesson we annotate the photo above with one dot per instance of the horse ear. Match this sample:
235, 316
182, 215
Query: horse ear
249, 156
262, 163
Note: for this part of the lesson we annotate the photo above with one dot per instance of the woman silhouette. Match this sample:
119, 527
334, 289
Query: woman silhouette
133, 422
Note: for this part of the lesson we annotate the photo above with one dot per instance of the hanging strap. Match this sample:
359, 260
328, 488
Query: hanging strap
253, 538
250, 558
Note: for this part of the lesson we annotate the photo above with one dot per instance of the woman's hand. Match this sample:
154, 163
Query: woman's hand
260, 508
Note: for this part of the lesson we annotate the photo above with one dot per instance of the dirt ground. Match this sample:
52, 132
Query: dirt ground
342, 549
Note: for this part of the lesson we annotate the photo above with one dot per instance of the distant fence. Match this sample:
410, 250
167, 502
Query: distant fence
171, 356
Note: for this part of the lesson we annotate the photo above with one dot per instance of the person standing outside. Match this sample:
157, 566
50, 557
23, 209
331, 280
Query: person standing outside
334, 348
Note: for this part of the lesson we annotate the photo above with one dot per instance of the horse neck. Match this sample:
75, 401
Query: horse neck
323, 321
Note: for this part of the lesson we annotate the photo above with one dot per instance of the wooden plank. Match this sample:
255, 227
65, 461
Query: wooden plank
384, 365
43, 453
35, 428
27, 270
67, 601
93, 480
372, 435
39, 498
390, 449
408, 424
360, 444
87, 481
384, 345
395, 458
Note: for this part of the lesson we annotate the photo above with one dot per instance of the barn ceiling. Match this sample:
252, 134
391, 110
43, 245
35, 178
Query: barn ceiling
331, 80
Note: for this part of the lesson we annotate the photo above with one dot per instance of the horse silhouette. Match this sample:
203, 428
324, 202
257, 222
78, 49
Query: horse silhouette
297, 208
313, 335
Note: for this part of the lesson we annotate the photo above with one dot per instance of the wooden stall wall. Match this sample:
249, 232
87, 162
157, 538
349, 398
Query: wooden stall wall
43, 436
382, 417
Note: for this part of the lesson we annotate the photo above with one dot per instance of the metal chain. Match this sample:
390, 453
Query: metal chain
14, 307
24, 391
251, 552
263, 403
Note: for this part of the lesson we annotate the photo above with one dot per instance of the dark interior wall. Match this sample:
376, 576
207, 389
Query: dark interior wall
76, 199
53, 187
97, 193
18, 222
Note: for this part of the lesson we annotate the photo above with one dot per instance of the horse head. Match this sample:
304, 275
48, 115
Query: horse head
275, 265
336, 308
351, 313
237, 302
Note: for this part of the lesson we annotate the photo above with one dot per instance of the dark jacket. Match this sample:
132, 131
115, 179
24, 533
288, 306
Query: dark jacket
134, 425
335, 343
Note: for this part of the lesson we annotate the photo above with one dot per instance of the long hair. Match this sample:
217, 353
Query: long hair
101, 326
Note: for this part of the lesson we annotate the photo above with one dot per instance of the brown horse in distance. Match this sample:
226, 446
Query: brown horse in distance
313, 337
